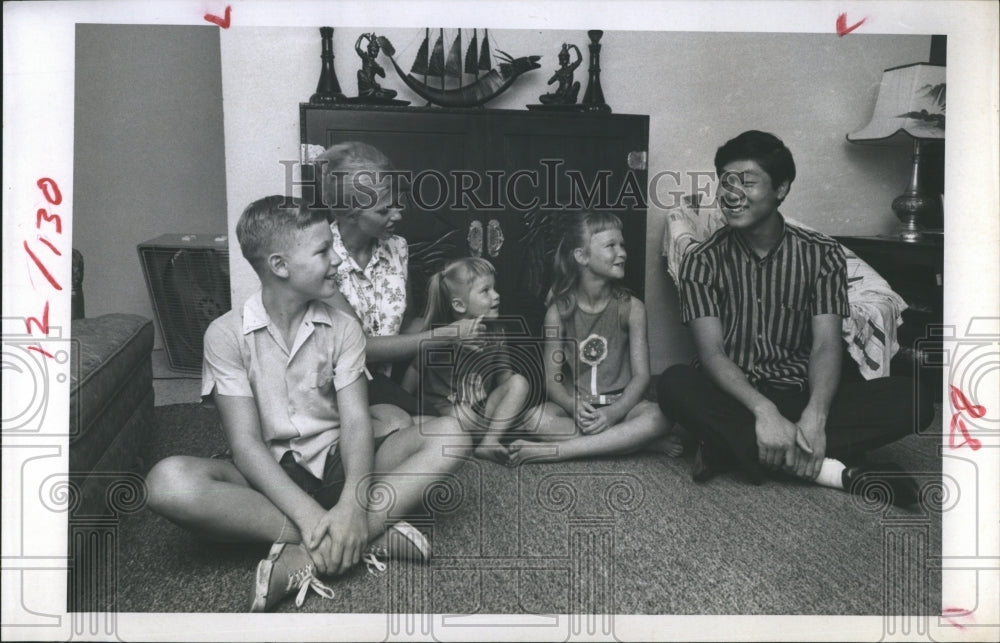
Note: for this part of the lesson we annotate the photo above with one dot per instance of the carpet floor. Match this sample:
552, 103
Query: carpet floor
631, 535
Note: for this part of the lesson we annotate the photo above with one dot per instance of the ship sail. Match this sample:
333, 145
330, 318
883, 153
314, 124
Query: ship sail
420, 62
471, 62
436, 64
485, 59
453, 64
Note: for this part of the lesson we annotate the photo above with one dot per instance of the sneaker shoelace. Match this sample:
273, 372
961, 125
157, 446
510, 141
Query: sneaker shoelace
372, 561
304, 579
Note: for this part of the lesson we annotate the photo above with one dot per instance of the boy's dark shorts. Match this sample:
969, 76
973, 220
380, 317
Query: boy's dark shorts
326, 491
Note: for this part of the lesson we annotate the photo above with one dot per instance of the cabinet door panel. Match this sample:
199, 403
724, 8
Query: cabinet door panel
581, 162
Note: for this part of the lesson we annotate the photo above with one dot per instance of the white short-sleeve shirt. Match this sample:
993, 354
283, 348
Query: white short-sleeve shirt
294, 388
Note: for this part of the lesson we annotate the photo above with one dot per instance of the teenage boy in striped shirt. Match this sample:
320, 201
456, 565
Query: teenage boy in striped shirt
765, 300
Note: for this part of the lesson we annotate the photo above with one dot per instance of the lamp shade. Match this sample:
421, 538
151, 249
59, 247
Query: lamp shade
911, 99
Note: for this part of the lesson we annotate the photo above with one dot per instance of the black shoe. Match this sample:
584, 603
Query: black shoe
873, 480
709, 461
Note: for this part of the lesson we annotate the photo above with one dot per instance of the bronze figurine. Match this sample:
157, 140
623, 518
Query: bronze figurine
567, 89
369, 90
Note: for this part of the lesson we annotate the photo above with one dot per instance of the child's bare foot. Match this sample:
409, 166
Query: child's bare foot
524, 451
493, 451
670, 444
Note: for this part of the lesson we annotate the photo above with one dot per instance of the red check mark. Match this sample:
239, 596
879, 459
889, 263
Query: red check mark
951, 613
224, 22
842, 28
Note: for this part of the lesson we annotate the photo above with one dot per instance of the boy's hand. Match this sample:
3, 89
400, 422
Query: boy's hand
775, 439
339, 537
811, 438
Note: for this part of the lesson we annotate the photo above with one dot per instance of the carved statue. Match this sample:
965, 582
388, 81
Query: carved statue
368, 86
567, 89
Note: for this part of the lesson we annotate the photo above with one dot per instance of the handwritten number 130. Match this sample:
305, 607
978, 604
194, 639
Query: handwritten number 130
50, 190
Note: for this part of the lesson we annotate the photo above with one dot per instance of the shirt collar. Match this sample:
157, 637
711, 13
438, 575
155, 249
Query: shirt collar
380, 251
742, 245
255, 315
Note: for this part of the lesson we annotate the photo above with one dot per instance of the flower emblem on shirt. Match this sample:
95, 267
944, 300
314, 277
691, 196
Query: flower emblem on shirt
593, 350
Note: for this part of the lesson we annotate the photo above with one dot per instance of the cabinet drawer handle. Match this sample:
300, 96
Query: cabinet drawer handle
637, 160
494, 237
475, 238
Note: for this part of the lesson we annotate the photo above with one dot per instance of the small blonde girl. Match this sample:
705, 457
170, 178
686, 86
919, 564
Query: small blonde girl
470, 380
596, 355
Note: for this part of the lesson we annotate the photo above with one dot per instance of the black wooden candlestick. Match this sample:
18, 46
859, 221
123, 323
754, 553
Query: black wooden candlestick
593, 100
328, 89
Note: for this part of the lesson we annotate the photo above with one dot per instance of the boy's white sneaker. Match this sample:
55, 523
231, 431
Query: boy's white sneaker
407, 543
288, 568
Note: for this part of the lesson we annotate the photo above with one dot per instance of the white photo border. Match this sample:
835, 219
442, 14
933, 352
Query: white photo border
38, 133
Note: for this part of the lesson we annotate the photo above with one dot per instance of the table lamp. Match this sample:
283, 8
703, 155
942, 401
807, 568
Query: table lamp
911, 101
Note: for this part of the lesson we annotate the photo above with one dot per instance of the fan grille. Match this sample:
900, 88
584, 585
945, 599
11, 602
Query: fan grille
188, 281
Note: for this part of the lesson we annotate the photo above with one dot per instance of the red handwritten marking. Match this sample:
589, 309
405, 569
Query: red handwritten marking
43, 215
222, 22
50, 190
41, 266
42, 325
843, 29
961, 403
49, 244
45, 183
42, 351
958, 611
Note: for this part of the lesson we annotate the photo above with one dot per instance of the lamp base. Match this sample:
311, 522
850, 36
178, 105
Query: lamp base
910, 234
912, 209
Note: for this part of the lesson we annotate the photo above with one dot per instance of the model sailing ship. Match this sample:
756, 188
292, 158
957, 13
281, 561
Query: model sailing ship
453, 80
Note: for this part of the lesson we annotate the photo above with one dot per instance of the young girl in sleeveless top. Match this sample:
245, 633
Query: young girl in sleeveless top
471, 380
596, 355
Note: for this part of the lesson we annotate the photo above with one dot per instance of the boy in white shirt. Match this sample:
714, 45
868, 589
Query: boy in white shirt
287, 372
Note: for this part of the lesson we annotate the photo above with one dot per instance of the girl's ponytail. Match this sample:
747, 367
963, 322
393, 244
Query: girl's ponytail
444, 286
438, 309
565, 274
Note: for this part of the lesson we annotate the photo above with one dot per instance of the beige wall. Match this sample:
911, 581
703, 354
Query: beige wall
148, 151
699, 89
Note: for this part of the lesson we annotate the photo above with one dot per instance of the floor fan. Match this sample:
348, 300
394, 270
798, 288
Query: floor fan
188, 281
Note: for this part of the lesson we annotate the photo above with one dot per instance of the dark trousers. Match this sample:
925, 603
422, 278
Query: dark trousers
865, 414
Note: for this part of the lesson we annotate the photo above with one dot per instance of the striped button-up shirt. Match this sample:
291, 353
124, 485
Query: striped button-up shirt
766, 304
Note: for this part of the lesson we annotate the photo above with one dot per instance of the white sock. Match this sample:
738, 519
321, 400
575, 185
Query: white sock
831, 474
289, 533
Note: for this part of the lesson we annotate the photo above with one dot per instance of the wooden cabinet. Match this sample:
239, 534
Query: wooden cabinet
494, 182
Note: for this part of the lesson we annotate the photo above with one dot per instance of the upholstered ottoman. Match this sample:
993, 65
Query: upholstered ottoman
111, 410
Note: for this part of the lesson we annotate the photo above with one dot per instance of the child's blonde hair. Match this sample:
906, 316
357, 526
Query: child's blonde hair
267, 222
580, 227
451, 282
